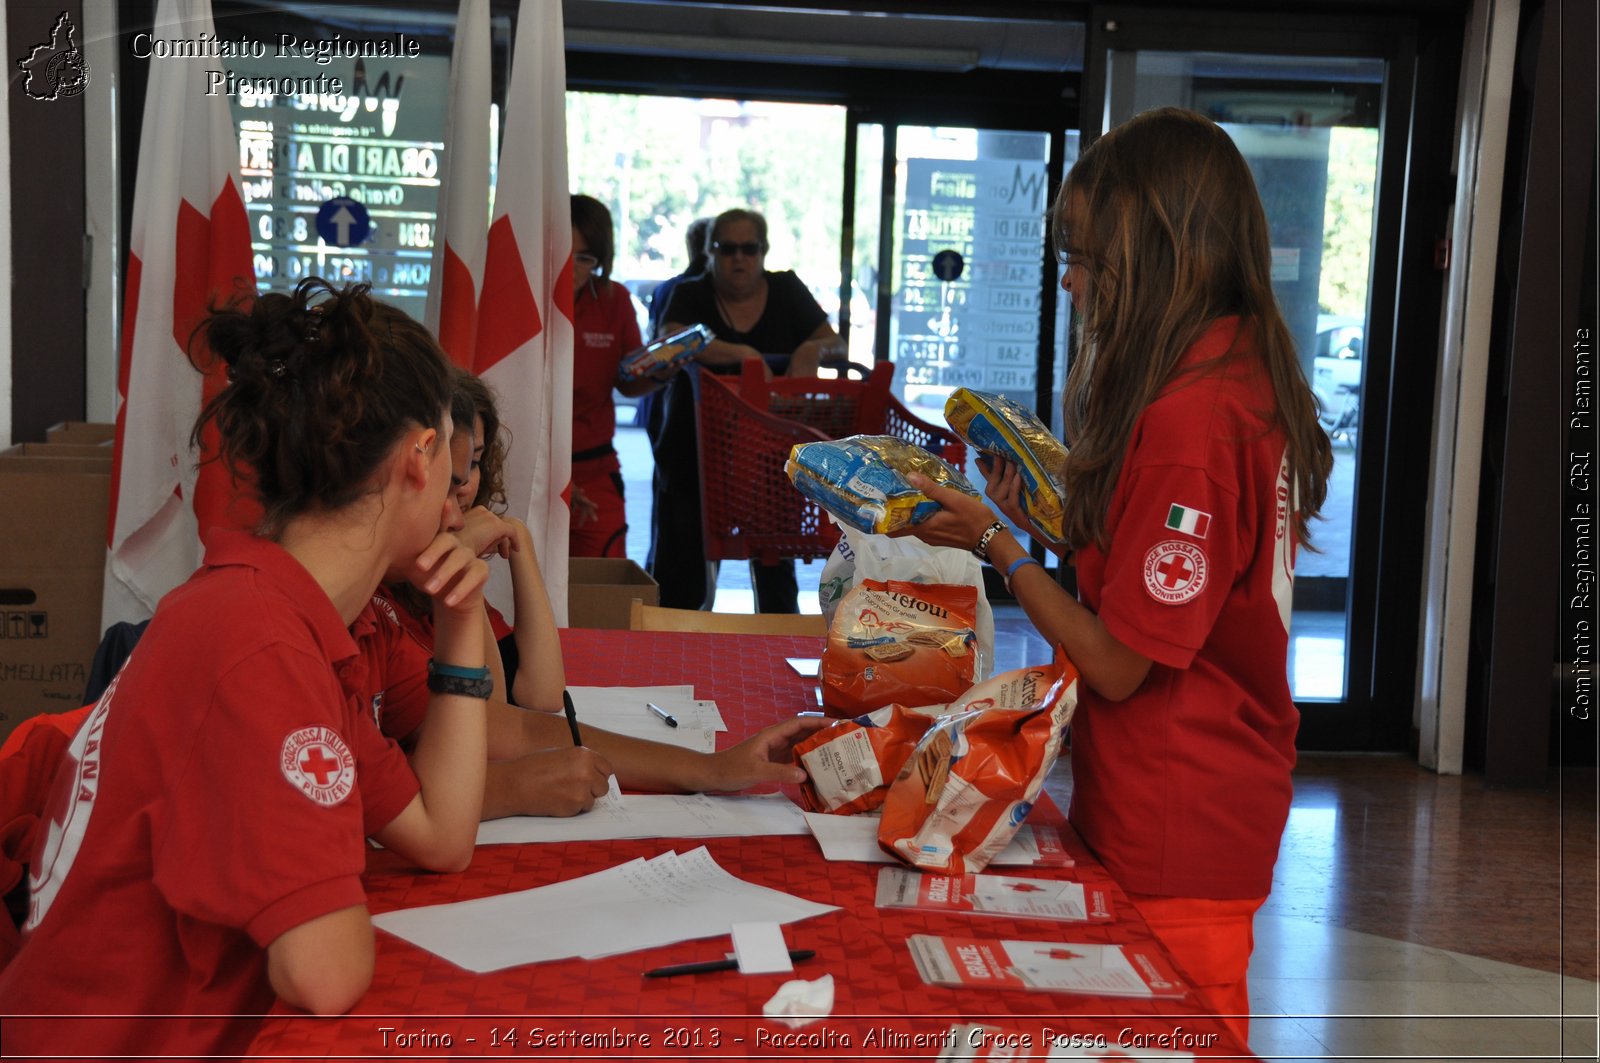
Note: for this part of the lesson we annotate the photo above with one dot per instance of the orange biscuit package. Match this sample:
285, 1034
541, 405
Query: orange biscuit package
975, 775
849, 763
894, 642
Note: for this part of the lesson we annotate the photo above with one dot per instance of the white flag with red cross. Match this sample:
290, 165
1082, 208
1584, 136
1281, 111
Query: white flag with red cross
463, 226
524, 332
189, 249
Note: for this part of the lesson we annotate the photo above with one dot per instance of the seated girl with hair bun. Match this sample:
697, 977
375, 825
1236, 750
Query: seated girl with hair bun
209, 829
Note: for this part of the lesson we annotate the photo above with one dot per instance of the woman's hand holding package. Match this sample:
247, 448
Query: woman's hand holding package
765, 757
1003, 485
961, 519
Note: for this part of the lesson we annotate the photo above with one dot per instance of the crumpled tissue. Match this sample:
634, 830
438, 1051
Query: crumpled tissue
800, 1002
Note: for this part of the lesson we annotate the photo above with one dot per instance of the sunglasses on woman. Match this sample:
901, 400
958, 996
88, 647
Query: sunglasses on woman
749, 249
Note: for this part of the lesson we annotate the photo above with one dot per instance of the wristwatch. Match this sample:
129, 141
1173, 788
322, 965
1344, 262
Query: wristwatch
981, 551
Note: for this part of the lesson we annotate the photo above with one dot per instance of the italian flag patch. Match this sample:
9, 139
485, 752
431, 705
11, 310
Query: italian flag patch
1189, 521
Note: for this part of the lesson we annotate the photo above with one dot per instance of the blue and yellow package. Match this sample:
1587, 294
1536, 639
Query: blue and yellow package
993, 424
669, 350
861, 480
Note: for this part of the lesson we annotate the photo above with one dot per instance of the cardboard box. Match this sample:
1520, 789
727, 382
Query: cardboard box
52, 569
601, 590
58, 450
80, 432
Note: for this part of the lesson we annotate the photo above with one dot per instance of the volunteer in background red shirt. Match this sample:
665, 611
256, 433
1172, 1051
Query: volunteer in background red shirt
607, 330
1196, 463
205, 841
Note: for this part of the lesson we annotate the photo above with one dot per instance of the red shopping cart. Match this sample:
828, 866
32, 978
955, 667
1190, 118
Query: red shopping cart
747, 428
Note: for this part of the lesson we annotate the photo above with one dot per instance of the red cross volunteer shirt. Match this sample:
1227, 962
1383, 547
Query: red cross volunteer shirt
217, 796
1183, 788
395, 647
605, 329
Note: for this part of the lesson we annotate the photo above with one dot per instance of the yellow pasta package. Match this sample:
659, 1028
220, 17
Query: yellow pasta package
996, 425
861, 480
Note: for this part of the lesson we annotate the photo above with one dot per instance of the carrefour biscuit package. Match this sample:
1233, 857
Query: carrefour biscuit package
861, 480
895, 642
975, 775
669, 350
849, 763
996, 425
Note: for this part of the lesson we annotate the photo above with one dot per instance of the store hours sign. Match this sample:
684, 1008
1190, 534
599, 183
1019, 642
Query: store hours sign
975, 326
345, 186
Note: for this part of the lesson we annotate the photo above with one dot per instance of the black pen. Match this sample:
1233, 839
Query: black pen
666, 717
572, 717
707, 966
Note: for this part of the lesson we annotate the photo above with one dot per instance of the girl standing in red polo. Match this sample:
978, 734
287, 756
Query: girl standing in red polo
606, 331
207, 834
1196, 463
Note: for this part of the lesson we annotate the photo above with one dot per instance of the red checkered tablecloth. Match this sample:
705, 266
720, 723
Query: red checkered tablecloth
419, 1006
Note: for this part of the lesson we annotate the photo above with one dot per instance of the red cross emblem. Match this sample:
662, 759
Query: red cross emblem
1175, 571
316, 761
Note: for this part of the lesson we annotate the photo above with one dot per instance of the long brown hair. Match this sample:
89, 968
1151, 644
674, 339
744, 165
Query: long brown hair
1163, 217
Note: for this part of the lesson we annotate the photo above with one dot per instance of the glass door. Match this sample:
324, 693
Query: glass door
961, 236
1311, 128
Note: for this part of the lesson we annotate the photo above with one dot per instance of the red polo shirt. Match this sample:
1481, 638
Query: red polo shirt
1183, 788
605, 329
218, 795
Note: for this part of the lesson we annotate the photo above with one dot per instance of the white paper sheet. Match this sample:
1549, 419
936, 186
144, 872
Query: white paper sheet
655, 816
637, 905
856, 838
621, 710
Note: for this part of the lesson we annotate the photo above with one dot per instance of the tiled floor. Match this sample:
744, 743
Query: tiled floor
1423, 917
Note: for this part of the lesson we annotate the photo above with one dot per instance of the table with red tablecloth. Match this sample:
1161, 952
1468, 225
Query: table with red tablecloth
419, 1005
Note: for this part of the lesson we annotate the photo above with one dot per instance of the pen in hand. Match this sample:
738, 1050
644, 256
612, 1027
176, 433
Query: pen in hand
572, 716
666, 717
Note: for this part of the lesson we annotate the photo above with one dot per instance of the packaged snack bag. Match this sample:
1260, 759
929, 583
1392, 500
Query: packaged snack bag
892, 641
861, 556
974, 776
848, 764
861, 480
668, 350
996, 425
